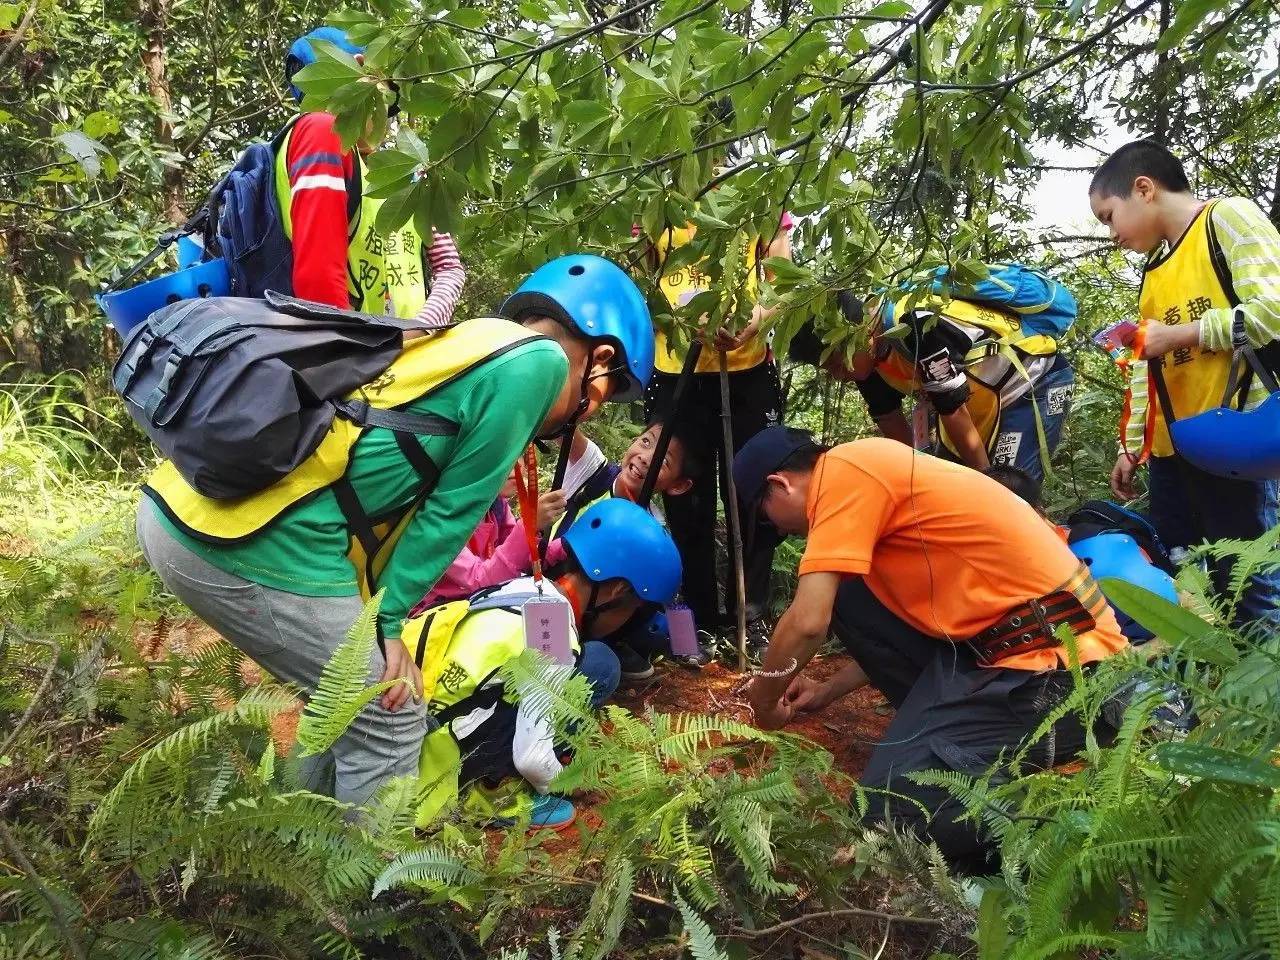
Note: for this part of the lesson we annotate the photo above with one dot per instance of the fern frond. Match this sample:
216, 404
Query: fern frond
432, 867
343, 689
153, 779
702, 942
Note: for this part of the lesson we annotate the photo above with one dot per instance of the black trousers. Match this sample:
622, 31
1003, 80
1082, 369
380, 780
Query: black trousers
951, 715
755, 402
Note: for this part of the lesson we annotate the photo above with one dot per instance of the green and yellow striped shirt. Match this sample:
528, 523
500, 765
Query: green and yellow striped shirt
1251, 247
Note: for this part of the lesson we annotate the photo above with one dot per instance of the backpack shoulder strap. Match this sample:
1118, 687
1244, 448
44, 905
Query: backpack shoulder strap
492, 600
1218, 258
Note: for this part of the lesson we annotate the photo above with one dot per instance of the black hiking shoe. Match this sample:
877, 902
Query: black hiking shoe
635, 666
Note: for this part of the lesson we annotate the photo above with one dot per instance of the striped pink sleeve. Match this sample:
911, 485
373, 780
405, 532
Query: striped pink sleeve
447, 277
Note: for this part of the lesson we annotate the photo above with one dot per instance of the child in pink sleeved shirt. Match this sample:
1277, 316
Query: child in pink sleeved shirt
496, 552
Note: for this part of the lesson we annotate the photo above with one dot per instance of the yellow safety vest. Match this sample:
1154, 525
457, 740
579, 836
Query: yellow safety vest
1006, 329
460, 653
1178, 285
384, 274
684, 283
424, 366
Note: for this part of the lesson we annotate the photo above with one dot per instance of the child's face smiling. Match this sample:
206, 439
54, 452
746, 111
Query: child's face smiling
635, 464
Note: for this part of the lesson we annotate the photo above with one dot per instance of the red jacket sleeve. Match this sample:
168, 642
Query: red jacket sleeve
319, 172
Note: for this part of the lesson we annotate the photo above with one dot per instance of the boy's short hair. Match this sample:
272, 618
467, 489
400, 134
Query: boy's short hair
691, 462
1140, 158
1019, 482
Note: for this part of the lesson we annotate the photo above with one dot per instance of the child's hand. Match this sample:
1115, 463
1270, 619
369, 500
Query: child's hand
1122, 477
400, 666
1161, 338
551, 507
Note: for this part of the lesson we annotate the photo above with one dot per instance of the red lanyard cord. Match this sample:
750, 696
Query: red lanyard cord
527, 492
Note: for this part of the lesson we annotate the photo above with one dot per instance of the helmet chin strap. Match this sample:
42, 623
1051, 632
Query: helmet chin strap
565, 433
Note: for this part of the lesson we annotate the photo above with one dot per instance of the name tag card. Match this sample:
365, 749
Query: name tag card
683, 631
546, 628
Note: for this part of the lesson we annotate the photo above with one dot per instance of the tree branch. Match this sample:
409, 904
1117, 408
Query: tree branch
18, 34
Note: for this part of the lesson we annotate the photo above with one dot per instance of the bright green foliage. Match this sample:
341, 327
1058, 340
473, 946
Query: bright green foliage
343, 690
1157, 847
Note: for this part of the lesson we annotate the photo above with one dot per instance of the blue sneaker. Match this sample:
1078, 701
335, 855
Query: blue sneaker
551, 813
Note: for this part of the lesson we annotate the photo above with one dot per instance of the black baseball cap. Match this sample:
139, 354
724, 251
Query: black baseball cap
765, 453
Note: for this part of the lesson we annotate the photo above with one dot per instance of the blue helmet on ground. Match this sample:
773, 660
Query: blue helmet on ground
596, 298
1118, 555
129, 307
302, 54
616, 539
1230, 443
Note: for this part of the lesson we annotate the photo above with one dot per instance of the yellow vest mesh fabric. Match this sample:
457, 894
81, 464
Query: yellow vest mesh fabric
1177, 288
681, 285
384, 274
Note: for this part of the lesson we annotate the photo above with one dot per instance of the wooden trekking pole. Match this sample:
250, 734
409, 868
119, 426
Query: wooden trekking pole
731, 508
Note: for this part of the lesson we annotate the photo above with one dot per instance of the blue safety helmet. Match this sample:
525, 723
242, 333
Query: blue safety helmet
302, 54
615, 539
595, 297
1118, 555
1230, 443
130, 307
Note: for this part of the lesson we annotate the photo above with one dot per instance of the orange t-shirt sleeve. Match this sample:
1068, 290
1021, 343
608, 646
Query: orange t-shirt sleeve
849, 510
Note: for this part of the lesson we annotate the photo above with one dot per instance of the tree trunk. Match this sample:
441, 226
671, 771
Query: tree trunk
155, 23
1161, 75
21, 344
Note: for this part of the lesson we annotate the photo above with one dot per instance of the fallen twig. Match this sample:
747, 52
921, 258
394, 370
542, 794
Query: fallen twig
826, 914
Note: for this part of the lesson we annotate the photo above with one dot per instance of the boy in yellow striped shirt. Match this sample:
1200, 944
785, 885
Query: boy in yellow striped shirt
1206, 261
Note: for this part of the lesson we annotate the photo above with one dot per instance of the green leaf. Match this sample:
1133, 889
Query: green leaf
702, 942
399, 207
1166, 620
890, 8
1213, 763
1190, 15
100, 124
342, 691
644, 72
993, 927
469, 17
333, 69
389, 171
779, 129
83, 149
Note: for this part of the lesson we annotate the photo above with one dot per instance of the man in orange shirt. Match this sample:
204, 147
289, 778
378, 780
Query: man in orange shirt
945, 588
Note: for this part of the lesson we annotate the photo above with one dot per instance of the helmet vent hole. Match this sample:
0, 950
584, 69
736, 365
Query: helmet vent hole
595, 522
577, 270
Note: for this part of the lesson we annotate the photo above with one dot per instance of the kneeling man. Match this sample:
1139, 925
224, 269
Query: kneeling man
946, 589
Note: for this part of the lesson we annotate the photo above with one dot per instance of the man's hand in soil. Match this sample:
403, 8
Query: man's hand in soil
797, 637
811, 695
772, 716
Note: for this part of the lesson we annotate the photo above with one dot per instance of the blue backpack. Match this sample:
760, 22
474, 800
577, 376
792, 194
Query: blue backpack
1044, 305
244, 224
242, 252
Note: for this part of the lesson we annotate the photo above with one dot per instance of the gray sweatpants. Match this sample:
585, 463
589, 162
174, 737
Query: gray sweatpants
292, 637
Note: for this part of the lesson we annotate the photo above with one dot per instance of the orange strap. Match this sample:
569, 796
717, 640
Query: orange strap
527, 492
1126, 411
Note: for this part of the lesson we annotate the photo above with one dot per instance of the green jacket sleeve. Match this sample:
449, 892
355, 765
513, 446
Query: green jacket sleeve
505, 404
